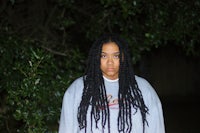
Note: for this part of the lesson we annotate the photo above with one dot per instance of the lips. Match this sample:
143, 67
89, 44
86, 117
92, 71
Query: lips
110, 69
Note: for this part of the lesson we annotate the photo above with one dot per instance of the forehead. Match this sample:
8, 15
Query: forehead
110, 47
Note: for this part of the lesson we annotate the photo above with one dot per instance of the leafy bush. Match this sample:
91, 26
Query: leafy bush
33, 82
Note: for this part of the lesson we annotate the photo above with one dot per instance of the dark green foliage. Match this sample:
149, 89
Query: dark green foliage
33, 82
57, 24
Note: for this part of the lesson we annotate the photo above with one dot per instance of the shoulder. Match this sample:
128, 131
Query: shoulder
74, 91
78, 81
142, 83
148, 92
72, 95
76, 85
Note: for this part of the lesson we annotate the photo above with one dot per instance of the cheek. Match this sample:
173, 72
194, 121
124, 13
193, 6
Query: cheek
102, 64
117, 64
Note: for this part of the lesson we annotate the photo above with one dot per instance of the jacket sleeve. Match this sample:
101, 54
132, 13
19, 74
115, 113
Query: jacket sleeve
155, 119
68, 117
155, 116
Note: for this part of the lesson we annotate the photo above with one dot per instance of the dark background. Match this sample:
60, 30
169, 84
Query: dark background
176, 80
44, 45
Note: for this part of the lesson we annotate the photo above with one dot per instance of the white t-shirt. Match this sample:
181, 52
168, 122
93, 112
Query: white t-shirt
72, 99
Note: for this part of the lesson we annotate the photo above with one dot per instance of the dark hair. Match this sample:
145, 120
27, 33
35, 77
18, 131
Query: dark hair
94, 92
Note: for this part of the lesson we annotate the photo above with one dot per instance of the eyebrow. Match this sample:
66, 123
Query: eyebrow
112, 53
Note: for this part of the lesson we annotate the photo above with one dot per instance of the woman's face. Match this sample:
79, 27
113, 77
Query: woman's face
110, 60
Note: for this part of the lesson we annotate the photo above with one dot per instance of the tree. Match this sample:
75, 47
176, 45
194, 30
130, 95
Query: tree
146, 24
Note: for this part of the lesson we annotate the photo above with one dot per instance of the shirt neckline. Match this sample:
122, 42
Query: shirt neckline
110, 80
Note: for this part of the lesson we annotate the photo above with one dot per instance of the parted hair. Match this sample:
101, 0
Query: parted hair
94, 91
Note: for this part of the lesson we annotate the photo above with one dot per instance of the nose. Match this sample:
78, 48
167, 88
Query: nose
110, 60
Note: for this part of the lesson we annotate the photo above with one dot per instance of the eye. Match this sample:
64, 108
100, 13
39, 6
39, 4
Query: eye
116, 56
103, 56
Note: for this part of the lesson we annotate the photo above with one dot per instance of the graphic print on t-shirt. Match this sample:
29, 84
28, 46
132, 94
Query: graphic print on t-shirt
112, 102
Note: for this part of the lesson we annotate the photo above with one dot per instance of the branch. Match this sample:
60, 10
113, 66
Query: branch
54, 52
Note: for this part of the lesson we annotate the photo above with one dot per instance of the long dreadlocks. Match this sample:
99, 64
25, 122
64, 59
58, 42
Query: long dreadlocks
94, 92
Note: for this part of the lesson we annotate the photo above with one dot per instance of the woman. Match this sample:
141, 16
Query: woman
109, 97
